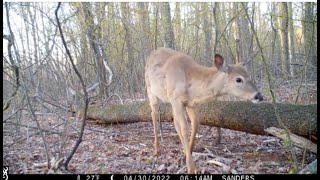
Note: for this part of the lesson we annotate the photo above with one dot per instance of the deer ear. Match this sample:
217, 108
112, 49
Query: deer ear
220, 63
242, 64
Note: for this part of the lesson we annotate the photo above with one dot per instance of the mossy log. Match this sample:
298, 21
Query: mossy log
236, 115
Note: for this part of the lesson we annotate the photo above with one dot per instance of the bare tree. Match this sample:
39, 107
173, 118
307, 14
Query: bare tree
167, 30
85, 94
283, 33
177, 26
243, 36
126, 21
207, 28
145, 29
291, 39
308, 33
93, 38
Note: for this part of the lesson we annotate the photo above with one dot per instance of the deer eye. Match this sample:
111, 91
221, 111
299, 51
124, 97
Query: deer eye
239, 80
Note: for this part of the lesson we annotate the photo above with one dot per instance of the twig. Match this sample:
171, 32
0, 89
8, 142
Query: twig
15, 112
202, 154
34, 127
115, 94
181, 170
293, 153
55, 105
300, 85
10, 39
85, 96
34, 117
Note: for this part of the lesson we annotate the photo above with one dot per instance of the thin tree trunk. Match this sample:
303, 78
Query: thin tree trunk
85, 95
207, 28
308, 31
237, 33
291, 40
145, 29
277, 60
283, 27
215, 12
178, 28
167, 30
93, 38
126, 21
156, 15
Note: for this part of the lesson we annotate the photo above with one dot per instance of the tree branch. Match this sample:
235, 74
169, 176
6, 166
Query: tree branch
292, 150
15, 68
85, 95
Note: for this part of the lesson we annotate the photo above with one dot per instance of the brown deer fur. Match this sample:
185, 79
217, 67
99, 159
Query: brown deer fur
174, 77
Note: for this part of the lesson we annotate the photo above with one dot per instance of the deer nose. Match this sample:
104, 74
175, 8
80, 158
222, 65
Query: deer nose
258, 96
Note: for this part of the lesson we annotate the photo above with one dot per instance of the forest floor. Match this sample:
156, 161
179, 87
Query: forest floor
128, 148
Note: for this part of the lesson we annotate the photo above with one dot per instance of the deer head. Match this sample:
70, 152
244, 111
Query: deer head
237, 82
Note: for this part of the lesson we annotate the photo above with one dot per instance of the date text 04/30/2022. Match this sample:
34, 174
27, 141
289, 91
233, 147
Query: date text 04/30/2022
146, 177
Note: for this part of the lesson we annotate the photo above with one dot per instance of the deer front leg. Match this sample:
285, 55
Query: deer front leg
181, 120
178, 129
155, 131
194, 125
154, 103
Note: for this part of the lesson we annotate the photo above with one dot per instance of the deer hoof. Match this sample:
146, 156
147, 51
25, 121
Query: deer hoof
192, 169
156, 152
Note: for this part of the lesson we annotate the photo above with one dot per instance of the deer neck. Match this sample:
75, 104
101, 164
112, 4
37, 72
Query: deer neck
209, 83
216, 83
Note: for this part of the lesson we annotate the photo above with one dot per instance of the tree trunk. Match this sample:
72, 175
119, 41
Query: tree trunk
178, 28
291, 40
243, 36
308, 34
216, 15
156, 7
146, 45
126, 21
93, 41
283, 26
145, 29
207, 28
237, 33
237, 115
276, 40
35, 45
167, 30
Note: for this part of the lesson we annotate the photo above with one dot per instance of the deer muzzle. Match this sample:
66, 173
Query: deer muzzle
258, 97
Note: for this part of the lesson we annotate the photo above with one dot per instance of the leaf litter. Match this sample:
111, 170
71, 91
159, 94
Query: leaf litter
128, 148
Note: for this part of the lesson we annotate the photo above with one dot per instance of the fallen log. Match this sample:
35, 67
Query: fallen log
236, 115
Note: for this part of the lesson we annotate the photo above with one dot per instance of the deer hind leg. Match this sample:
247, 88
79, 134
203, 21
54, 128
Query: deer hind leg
154, 104
182, 126
194, 125
178, 129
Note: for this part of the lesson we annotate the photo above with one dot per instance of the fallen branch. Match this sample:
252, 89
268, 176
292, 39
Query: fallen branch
296, 140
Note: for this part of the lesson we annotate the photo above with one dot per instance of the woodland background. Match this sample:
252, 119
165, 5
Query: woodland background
109, 43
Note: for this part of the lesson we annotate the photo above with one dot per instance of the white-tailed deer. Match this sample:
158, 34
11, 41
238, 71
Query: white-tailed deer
175, 78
